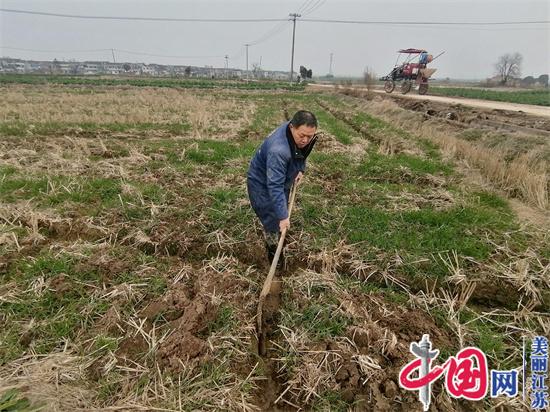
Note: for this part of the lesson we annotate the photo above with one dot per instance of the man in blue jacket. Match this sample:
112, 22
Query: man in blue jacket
278, 164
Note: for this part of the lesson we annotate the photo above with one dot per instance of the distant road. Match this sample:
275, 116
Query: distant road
484, 104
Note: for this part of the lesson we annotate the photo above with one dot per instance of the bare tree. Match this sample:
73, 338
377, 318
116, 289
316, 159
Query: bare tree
369, 78
508, 66
256, 70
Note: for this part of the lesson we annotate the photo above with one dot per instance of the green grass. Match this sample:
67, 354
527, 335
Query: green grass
109, 386
225, 320
488, 338
331, 163
391, 293
361, 211
6, 171
318, 319
12, 401
55, 190
57, 317
226, 213
423, 233
330, 401
267, 116
377, 166
146, 82
373, 122
92, 195
340, 130
536, 97
65, 313
105, 343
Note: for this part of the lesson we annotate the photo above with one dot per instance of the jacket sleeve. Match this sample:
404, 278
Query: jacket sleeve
276, 166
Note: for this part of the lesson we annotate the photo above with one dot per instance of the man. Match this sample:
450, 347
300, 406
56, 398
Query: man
278, 164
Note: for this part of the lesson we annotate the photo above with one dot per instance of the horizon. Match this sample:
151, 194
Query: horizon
336, 77
471, 51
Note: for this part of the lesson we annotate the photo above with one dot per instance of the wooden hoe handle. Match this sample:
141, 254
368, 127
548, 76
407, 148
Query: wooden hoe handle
267, 283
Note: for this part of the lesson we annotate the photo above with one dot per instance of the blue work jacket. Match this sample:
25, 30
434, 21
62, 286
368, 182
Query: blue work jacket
271, 174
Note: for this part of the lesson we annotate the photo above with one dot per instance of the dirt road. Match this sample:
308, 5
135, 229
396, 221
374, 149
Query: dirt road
485, 104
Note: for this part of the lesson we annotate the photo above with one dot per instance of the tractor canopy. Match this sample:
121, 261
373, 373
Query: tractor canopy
412, 51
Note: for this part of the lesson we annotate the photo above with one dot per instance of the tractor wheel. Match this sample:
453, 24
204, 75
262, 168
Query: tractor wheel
389, 86
406, 87
423, 88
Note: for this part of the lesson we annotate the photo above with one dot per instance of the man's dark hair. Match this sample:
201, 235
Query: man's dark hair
303, 117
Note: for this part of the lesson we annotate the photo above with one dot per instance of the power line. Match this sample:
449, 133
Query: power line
167, 55
274, 31
426, 23
54, 51
470, 28
305, 5
111, 50
312, 6
163, 19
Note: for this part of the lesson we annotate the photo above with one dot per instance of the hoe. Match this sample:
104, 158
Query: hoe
268, 281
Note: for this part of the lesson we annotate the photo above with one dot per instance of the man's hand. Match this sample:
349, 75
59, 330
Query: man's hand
284, 224
298, 177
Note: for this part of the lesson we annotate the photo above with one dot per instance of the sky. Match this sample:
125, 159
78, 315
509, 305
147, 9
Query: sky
470, 51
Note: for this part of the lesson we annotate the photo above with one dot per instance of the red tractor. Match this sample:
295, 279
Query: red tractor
413, 69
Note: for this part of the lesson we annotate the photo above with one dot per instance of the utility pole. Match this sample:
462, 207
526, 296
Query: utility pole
294, 17
330, 66
113, 52
226, 66
247, 60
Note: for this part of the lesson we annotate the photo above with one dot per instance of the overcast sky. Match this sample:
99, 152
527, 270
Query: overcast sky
470, 51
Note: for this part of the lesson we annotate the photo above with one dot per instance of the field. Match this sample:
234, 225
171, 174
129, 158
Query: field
131, 261
536, 97
144, 82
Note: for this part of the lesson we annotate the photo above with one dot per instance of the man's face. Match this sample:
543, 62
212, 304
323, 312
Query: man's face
302, 134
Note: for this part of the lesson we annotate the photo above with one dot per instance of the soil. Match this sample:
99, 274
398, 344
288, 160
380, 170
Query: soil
107, 266
461, 116
483, 104
182, 348
109, 321
380, 392
190, 312
475, 103
173, 305
60, 284
270, 312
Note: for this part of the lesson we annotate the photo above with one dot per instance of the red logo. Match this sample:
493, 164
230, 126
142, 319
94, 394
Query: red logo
466, 374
